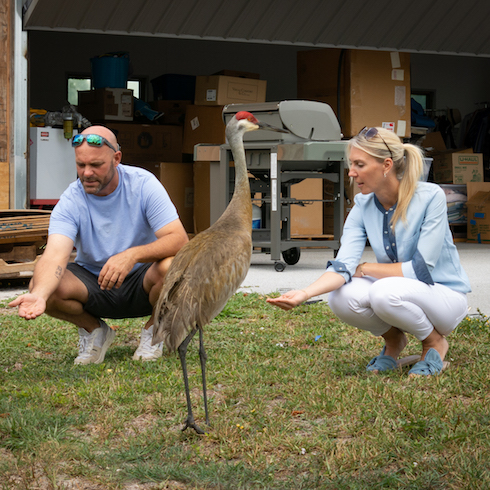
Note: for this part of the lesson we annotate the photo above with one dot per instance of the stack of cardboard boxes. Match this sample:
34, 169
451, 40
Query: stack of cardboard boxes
204, 125
457, 172
191, 108
364, 88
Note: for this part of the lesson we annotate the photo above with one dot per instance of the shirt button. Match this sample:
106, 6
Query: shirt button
387, 248
386, 232
393, 244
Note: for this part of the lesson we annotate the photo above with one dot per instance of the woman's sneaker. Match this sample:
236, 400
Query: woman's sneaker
146, 351
93, 346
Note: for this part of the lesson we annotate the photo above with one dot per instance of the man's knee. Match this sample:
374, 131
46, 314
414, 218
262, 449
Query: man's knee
155, 275
164, 265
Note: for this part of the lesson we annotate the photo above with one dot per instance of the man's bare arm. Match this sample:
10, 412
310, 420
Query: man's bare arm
47, 274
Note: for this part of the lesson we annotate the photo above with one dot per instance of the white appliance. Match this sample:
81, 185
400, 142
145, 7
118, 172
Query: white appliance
52, 165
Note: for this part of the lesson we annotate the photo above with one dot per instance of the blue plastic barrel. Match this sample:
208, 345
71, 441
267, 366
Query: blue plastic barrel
110, 71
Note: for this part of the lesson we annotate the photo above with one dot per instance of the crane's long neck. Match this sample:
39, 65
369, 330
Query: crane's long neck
242, 186
241, 174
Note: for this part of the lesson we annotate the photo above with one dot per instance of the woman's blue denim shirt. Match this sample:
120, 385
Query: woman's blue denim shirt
423, 244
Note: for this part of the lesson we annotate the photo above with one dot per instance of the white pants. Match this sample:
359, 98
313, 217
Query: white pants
407, 304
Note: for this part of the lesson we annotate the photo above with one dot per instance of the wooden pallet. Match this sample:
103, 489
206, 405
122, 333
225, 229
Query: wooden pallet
23, 235
17, 269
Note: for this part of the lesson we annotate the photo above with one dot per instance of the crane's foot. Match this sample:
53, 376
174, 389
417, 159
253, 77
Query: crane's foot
190, 423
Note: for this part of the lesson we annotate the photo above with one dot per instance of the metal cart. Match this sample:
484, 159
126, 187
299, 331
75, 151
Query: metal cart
276, 165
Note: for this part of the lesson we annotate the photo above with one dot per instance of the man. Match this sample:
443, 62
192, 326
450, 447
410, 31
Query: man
125, 230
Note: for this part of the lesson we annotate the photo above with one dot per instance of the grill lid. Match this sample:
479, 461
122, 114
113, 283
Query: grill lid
305, 119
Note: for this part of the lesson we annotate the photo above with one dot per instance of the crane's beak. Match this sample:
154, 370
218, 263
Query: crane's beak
268, 127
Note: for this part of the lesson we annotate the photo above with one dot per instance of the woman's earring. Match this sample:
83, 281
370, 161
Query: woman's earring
385, 174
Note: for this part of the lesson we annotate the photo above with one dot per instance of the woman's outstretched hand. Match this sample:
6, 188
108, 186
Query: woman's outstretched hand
289, 300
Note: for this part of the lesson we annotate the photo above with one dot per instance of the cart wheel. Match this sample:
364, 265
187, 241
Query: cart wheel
279, 266
292, 255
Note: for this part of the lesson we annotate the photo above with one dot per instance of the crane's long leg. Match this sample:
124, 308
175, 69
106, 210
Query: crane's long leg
182, 354
203, 357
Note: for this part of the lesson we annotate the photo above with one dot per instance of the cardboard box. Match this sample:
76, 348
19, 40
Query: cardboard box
457, 167
203, 125
202, 196
237, 73
149, 143
307, 220
221, 90
106, 104
434, 143
178, 180
374, 87
478, 212
173, 110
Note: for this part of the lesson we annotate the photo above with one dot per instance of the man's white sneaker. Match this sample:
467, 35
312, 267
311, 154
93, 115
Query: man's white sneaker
146, 351
93, 346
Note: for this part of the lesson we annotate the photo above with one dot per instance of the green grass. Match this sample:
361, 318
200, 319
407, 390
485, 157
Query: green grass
291, 407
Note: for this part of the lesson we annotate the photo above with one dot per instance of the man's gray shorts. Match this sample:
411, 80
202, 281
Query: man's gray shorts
129, 301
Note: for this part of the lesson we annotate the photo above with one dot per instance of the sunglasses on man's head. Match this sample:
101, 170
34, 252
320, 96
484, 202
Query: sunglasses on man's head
92, 140
370, 133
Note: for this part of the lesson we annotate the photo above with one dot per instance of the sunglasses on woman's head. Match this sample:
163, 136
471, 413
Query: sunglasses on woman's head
370, 133
92, 140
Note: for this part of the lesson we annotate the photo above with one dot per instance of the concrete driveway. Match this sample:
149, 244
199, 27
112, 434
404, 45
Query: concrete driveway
263, 278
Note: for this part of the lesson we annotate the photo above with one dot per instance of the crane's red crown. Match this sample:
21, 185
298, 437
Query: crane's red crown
246, 115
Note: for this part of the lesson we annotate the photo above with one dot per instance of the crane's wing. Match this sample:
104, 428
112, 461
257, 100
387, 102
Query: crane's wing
201, 279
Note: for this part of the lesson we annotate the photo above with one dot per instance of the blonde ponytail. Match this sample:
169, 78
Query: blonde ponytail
408, 172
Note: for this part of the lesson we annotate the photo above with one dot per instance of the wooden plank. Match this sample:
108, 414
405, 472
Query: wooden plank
9, 270
5, 66
20, 253
19, 239
4, 184
23, 225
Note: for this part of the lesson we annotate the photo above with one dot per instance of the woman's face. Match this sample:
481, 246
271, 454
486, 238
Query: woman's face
367, 172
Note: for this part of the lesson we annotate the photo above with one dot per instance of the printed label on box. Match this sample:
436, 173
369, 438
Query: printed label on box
390, 126
401, 128
242, 91
468, 160
398, 75
395, 59
211, 94
194, 123
400, 95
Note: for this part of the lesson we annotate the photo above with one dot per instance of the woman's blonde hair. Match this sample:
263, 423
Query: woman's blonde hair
408, 162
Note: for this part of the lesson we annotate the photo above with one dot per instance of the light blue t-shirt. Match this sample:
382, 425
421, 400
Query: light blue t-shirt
424, 244
102, 226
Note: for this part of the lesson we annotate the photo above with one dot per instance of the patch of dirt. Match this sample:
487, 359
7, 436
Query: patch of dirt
8, 311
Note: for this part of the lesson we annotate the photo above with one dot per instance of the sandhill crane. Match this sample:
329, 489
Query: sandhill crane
210, 267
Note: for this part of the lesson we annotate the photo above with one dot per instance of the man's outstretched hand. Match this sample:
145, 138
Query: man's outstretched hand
30, 306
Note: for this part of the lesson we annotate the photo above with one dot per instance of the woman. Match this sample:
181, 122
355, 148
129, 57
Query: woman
417, 285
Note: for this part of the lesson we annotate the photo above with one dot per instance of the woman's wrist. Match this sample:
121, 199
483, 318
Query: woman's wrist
307, 295
361, 269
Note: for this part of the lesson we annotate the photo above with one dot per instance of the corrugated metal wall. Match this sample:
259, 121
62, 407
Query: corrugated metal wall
427, 26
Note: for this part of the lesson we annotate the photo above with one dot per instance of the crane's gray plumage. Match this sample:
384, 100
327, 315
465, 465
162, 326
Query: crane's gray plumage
209, 268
